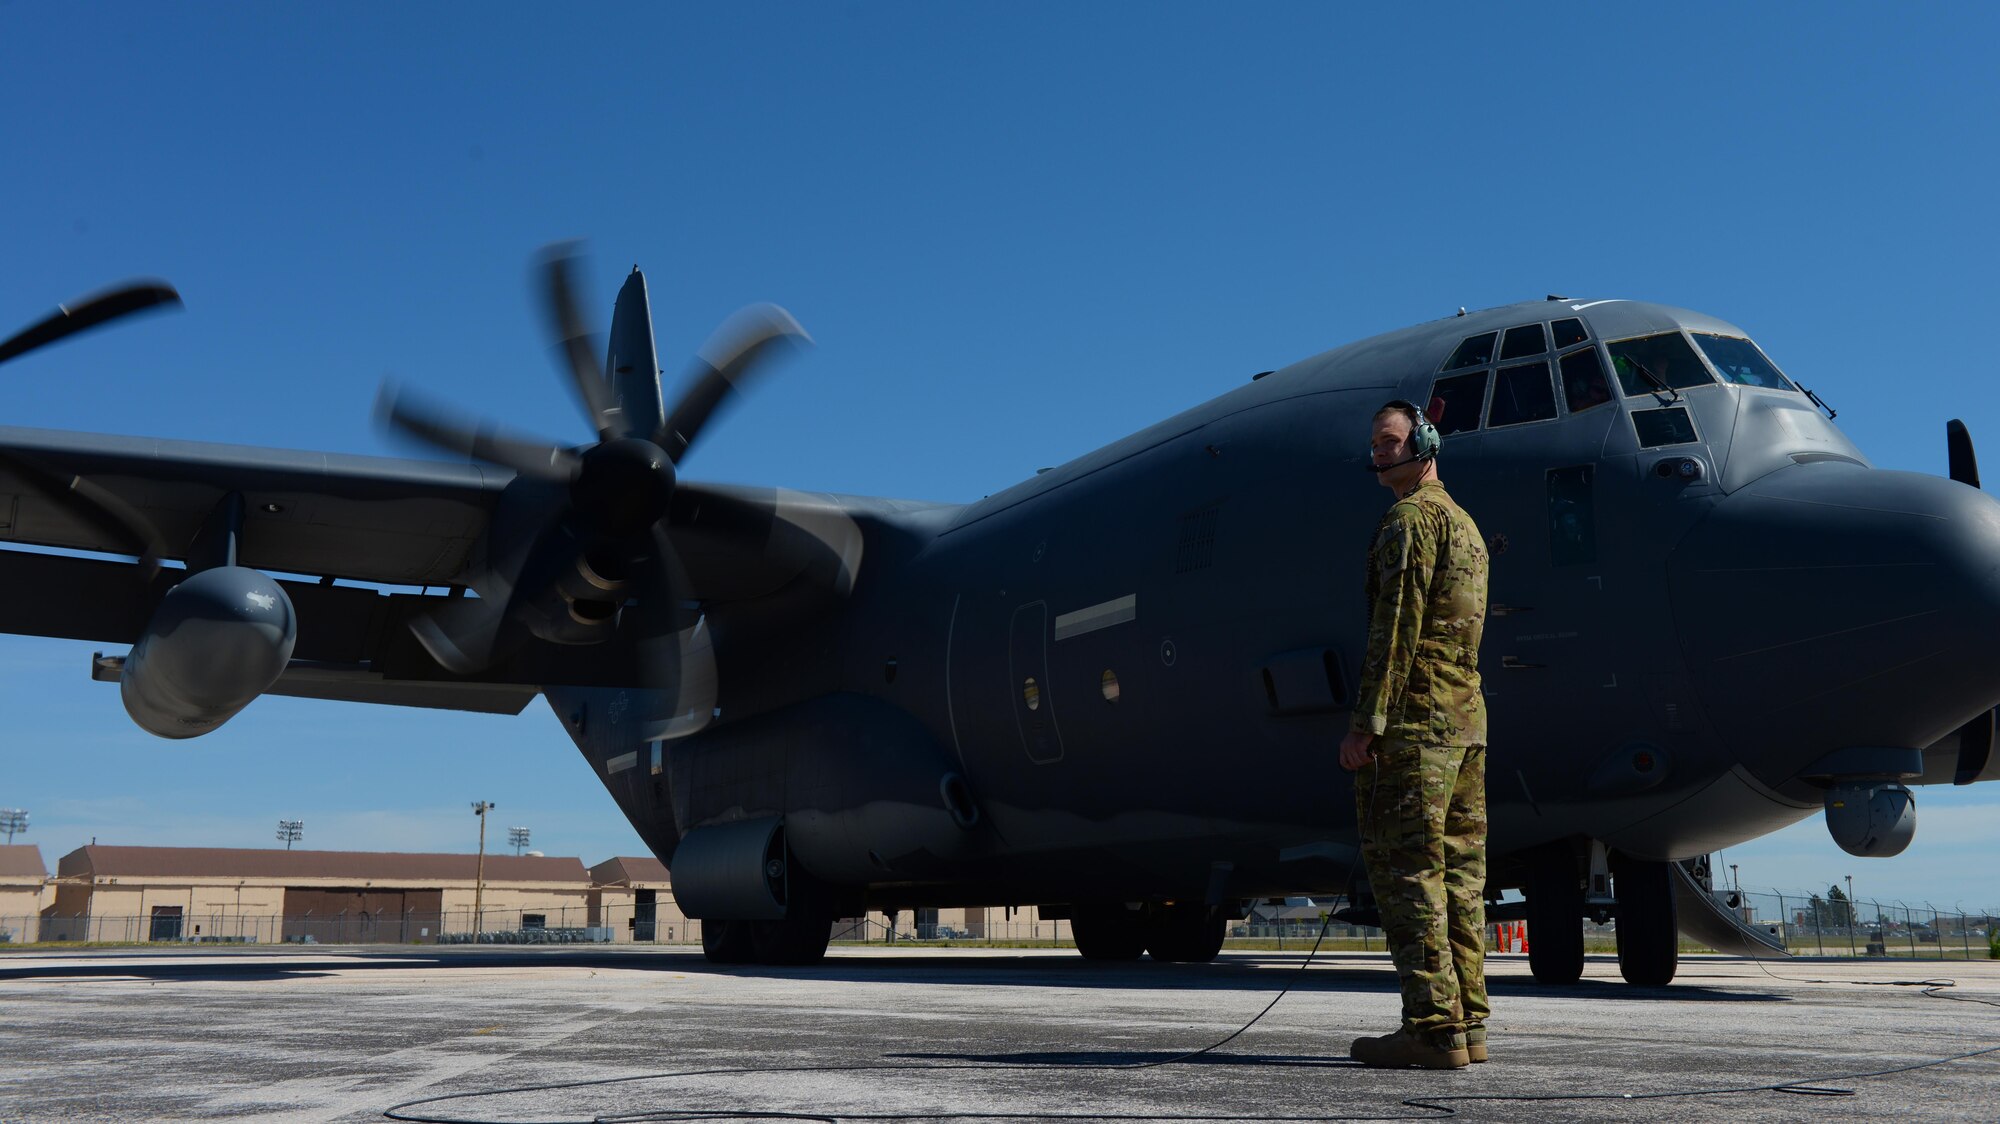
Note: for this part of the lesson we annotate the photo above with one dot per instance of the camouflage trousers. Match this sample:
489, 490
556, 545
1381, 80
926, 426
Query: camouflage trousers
1422, 812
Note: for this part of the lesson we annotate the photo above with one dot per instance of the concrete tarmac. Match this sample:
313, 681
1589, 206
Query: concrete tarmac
345, 1033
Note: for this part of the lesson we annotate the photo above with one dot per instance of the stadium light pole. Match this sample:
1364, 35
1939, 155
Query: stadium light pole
290, 832
13, 821
518, 836
480, 808
1853, 916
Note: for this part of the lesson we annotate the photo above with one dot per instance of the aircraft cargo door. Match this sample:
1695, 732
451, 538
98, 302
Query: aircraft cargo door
1034, 706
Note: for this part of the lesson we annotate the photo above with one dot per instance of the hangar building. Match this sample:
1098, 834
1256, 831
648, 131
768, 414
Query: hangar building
243, 895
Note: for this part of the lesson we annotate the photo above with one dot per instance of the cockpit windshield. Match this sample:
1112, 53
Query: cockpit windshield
1667, 357
1739, 361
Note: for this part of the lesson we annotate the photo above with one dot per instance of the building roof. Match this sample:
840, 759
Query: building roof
20, 861
270, 863
628, 870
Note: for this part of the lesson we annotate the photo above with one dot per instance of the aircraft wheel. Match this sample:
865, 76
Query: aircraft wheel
1185, 934
1649, 945
793, 941
726, 942
1108, 933
1555, 918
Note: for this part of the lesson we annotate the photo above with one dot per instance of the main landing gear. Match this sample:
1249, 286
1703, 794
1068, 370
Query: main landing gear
793, 941
1180, 933
1641, 898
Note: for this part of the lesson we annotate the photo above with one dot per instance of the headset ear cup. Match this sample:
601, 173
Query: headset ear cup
1425, 441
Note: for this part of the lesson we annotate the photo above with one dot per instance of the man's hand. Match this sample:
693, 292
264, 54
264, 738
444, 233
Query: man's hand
1357, 749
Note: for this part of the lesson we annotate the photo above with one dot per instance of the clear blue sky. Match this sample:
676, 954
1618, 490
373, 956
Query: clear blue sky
1017, 232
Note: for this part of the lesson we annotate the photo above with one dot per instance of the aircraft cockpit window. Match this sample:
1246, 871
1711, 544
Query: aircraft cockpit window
1739, 361
1528, 339
1569, 332
1476, 351
1522, 394
1668, 356
1456, 401
1584, 384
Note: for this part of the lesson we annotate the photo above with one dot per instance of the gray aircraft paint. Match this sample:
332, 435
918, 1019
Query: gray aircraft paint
1731, 628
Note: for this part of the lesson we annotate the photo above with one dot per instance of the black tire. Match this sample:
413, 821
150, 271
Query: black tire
794, 941
726, 942
1184, 934
1649, 937
1555, 917
1109, 933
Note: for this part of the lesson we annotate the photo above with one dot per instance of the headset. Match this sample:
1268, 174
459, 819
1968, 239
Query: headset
1424, 439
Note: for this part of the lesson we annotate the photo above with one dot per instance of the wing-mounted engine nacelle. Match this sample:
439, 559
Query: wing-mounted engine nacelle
219, 639
1869, 811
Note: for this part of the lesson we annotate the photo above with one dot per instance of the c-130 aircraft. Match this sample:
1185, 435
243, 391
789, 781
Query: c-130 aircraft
1113, 690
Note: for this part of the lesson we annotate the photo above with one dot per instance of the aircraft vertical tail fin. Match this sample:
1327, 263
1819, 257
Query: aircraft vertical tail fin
633, 364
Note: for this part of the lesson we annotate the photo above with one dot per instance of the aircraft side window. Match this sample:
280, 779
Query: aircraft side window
1522, 394
1670, 426
1739, 361
1669, 357
1456, 401
1569, 332
1584, 384
1476, 351
1528, 339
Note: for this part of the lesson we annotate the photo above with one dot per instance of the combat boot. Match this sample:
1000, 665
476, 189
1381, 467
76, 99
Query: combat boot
1475, 1043
1405, 1050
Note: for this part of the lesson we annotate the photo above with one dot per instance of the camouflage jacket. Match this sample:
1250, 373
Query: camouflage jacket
1427, 609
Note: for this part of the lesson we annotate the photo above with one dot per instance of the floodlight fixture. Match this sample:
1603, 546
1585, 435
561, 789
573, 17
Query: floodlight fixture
290, 832
13, 821
518, 836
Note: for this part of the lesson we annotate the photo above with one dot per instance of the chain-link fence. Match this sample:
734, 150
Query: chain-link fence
1830, 924
1805, 924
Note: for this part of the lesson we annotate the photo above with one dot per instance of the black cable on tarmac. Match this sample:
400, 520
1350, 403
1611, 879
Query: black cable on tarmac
1429, 1107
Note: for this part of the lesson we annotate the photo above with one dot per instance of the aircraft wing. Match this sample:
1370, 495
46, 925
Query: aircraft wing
374, 519
314, 518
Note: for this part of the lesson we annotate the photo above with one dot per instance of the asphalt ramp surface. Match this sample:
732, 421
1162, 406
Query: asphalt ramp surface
566, 1034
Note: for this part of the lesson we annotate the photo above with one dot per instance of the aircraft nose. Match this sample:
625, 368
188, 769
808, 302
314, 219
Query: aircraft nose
1829, 605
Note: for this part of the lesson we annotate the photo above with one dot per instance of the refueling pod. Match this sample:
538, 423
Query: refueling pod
219, 639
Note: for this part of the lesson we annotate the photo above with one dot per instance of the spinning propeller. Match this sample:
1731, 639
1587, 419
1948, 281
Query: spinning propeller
102, 511
599, 543
1975, 738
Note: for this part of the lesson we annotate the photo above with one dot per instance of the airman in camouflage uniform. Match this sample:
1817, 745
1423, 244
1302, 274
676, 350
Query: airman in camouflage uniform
1418, 743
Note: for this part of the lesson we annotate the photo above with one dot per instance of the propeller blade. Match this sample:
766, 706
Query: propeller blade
731, 356
435, 426
462, 635
678, 662
578, 348
92, 312
1975, 749
98, 507
467, 635
1958, 449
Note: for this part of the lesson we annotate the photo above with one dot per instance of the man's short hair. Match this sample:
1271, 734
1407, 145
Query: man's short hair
1407, 409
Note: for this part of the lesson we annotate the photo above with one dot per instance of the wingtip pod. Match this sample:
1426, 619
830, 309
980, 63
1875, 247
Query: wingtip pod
93, 311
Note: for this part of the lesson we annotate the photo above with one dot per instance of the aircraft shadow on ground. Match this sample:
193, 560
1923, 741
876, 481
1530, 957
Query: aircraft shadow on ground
1252, 974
